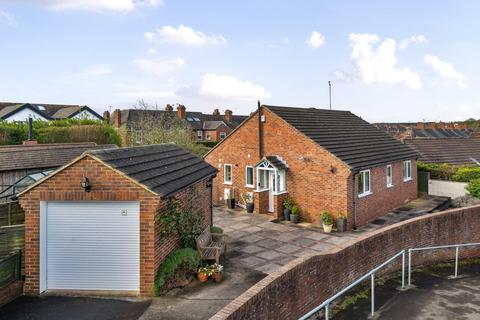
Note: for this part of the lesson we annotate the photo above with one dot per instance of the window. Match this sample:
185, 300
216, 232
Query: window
227, 174
199, 135
281, 181
389, 176
222, 135
407, 170
209, 137
249, 177
364, 183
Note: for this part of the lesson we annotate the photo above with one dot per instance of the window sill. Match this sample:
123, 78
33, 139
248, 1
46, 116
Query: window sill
389, 185
362, 195
406, 180
279, 193
229, 183
261, 190
249, 186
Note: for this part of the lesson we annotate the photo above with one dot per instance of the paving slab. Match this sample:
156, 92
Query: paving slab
269, 255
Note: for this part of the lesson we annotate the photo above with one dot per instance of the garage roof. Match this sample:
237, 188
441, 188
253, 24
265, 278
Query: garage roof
163, 168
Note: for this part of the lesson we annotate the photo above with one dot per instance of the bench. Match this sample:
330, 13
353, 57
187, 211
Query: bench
211, 245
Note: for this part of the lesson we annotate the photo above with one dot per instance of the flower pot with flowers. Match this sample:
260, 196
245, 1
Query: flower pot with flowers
217, 270
204, 273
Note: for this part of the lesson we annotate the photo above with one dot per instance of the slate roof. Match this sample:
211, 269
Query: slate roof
48, 111
351, 139
42, 156
196, 120
163, 168
396, 130
278, 163
457, 151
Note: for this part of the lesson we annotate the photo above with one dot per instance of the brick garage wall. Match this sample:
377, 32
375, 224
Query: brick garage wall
11, 292
202, 201
306, 282
383, 199
106, 185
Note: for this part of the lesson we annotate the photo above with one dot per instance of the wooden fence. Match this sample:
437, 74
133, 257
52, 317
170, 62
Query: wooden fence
11, 214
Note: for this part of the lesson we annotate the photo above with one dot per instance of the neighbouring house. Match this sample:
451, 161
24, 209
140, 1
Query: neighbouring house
322, 159
91, 225
14, 111
20, 165
407, 130
205, 127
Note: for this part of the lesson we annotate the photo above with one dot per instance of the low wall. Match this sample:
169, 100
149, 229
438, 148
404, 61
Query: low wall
446, 188
306, 282
11, 292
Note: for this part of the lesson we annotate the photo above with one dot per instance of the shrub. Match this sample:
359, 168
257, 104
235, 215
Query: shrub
466, 174
216, 229
288, 203
295, 209
473, 188
326, 218
179, 267
208, 144
438, 171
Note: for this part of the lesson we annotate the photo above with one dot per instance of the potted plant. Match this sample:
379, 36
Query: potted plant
249, 202
231, 199
327, 221
341, 222
203, 273
217, 272
287, 211
295, 215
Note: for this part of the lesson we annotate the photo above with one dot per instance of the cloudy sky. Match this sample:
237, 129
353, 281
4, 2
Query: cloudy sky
409, 61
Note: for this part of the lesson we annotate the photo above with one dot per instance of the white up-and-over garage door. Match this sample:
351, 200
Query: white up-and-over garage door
90, 245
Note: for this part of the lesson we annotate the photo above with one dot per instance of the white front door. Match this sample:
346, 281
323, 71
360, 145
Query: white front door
91, 245
271, 190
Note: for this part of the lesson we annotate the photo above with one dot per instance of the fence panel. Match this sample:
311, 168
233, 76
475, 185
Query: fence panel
11, 214
10, 269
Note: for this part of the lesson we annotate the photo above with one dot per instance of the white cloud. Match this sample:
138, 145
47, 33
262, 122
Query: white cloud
376, 62
416, 39
228, 87
159, 67
316, 40
183, 35
447, 71
96, 5
7, 18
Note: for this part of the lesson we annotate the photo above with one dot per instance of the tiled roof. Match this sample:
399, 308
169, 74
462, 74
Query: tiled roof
48, 111
163, 168
277, 162
351, 139
42, 156
451, 151
212, 125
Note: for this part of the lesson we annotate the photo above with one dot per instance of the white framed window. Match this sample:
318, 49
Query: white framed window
249, 177
209, 137
227, 174
199, 135
364, 183
222, 135
389, 176
407, 170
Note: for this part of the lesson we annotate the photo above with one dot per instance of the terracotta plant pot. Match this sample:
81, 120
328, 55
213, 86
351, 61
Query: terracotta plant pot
218, 277
202, 277
327, 228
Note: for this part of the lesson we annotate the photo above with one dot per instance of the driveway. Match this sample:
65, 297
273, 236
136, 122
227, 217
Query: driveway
72, 308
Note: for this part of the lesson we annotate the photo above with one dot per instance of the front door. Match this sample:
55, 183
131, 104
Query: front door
271, 190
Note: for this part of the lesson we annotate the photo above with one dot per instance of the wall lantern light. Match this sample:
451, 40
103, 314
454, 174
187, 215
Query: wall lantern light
85, 184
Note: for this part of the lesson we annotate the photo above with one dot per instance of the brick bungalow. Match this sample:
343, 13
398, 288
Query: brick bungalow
322, 159
91, 224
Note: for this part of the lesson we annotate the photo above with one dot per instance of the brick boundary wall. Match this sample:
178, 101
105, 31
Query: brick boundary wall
306, 282
11, 292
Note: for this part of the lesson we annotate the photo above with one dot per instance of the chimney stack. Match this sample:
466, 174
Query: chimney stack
106, 117
117, 118
431, 125
168, 107
442, 125
216, 112
420, 125
228, 116
181, 111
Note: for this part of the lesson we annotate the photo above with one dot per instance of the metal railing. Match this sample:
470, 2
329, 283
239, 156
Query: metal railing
10, 268
371, 274
451, 246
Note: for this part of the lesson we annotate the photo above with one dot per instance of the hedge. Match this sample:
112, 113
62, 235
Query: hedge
58, 131
208, 144
179, 267
467, 174
473, 188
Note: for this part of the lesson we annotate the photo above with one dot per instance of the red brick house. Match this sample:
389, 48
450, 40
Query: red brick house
322, 159
91, 224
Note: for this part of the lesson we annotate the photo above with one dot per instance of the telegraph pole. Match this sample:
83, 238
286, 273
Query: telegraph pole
330, 93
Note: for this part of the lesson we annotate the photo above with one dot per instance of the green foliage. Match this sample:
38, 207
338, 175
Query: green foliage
326, 218
473, 188
179, 266
288, 203
438, 171
466, 174
216, 229
208, 144
295, 210
59, 131
189, 226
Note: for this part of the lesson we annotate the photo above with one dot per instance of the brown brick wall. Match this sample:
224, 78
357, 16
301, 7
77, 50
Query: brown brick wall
316, 180
106, 185
307, 282
11, 292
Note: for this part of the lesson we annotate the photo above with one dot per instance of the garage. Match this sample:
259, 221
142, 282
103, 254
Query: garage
91, 226
91, 245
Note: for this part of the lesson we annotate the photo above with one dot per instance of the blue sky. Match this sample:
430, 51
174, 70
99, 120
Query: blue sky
409, 61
